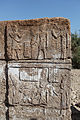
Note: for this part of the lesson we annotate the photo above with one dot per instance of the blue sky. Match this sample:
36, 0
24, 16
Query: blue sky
29, 9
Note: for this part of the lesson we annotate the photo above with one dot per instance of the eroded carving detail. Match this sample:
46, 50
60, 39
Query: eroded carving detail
38, 42
36, 83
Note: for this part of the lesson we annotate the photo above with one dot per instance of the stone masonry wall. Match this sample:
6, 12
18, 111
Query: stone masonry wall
35, 64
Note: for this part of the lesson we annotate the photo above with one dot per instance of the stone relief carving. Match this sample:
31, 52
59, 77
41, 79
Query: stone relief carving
35, 64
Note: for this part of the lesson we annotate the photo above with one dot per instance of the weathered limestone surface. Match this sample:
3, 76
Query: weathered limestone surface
2, 90
39, 39
75, 86
37, 113
75, 93
2, 40
39, 84
45, 86
35, 78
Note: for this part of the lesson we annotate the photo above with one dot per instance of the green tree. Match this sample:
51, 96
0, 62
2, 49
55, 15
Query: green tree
75, 44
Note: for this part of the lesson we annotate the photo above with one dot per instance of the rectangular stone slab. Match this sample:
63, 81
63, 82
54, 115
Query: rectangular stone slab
38, 113
46, 38
2, 91
37, 84
2, 40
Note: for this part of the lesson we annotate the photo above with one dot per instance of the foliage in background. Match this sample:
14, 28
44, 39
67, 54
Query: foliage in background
75, 50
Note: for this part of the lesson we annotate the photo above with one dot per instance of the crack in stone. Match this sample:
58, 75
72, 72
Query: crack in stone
6, 75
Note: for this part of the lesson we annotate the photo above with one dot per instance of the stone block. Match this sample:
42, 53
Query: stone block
35, 64
32, 84
2, 40
2, 81
46, 38
2, 90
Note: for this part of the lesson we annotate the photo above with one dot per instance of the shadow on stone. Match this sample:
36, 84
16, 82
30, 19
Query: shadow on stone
33, 119
75, 113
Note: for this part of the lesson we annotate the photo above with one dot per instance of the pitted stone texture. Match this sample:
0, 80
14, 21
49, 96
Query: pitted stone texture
75, 86
2, 82
37, 113
66, 114
35, 84
2, 90
58, 114
47, 38
3, 110
75, 93
38, 84
26, 113
2, 40
25, 91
